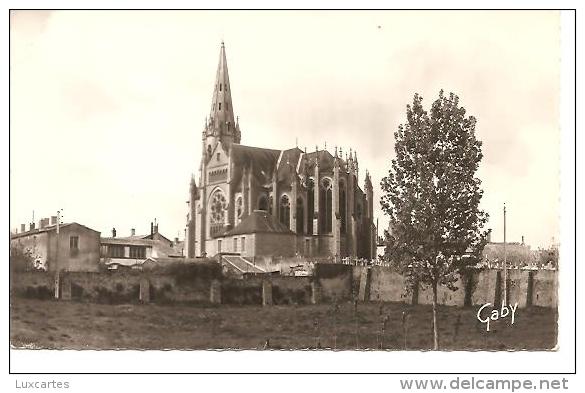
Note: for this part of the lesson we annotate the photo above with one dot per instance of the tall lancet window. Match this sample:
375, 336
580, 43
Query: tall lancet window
325, 205
284, 212
310, 205
263, 203
342, 206
239, 208
300, 216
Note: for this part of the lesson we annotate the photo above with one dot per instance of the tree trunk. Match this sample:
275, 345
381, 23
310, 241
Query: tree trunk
435, 327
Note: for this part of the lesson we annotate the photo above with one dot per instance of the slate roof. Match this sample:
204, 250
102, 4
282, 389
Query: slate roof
47, 229
130, 240
288, 164
263, 158
261, 161
259, 222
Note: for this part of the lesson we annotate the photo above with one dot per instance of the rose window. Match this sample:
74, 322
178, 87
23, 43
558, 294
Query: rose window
218, 205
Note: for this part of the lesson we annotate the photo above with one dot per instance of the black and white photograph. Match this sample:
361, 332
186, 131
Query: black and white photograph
213, 181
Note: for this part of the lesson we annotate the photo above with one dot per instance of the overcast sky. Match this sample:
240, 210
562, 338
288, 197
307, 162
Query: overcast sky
107, 107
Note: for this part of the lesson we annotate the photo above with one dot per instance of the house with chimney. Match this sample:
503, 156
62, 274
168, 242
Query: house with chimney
134, 250
59, 246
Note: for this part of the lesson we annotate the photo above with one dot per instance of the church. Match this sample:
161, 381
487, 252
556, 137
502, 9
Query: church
255, 202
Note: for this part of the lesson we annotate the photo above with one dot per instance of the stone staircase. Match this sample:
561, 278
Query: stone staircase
241, 264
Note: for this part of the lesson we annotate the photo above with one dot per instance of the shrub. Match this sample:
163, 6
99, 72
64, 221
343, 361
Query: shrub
185, 273
331, 270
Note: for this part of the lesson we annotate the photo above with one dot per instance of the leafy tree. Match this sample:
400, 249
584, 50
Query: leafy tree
21, 259
548, 256
432, 197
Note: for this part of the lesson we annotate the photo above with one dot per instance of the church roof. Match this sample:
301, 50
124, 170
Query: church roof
261, 161
244, 155
259, 221
289, 160
325, 159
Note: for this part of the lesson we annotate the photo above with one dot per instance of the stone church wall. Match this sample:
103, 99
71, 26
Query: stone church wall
276, 244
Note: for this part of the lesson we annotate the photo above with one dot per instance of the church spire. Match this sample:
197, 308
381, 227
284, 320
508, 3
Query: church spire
222, 124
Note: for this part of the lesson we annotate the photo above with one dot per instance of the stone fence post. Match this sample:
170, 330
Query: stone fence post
315, 292
57, 284
65, 287
364, 289
215, 292
144, 295
266, 293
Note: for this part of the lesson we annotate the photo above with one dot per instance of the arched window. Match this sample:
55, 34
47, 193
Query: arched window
310, 205
284, 210
217, 209
342, 206
325, 206
263, 203
300, 216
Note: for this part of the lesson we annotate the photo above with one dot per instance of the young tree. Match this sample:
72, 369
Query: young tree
432, 197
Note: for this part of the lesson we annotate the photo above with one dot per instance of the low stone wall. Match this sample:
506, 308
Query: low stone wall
525, 287
334, 281
331, 282
544, 289
166, 289
484, 287
444, 295
518, 287
291, 290
101, 287
388, 286
242, 291
36, 285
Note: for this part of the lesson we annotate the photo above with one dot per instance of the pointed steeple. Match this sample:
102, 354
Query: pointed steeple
222, 123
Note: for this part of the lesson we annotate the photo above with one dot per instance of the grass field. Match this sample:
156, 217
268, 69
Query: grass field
71, 325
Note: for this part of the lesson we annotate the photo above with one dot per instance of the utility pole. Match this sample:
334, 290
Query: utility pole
505, 261
57, 265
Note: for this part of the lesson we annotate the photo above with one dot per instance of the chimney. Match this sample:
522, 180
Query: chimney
151, 229
53, 220
22, 227
522, 239
113, 232
489, 235
155, 228
43, 223
132, 232
176, 240
32, 226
